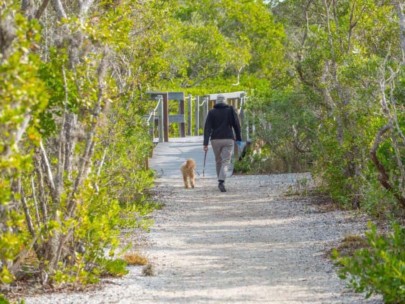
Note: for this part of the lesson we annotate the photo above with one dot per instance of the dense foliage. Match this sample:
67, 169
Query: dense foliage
340, 105
73, 82
73, 141
379, 268
325, 81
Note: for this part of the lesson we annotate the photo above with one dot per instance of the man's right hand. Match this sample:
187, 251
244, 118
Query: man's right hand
205, 148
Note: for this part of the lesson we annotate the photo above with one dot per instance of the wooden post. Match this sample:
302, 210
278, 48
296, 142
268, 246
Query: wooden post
205, 108
161, 119
189, 116
151, 125
246, 123
166, 116
182, 124
189, 111
197, 115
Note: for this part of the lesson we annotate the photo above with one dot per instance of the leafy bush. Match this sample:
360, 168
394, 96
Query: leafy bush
250, 162
243, 166
377, 201
72, 150
379, 268
3, 300
116, 268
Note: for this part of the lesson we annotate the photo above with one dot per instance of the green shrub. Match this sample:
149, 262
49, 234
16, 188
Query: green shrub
379, 268
243, 166
3, 300
378, 201
115, 268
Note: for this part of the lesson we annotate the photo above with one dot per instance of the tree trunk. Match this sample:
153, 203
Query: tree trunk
383, 175
401, 17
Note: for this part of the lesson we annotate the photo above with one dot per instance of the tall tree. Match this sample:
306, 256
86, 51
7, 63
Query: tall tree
224, 40
67, 69
347, 63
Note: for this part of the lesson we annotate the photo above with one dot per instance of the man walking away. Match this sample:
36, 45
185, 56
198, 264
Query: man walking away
220, 125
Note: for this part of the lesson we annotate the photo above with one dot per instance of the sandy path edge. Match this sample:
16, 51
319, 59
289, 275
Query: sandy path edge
252, 244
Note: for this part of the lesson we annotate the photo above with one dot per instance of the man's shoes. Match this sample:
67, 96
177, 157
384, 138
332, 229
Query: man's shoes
221, 187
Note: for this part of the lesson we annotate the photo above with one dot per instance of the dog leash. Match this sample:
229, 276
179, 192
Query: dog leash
205, 158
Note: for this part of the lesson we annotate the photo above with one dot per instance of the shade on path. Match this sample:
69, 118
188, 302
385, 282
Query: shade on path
169, 156
254, 244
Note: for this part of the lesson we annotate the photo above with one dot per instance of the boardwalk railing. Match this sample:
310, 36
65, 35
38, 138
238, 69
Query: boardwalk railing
201, 111
156, 113
197, 110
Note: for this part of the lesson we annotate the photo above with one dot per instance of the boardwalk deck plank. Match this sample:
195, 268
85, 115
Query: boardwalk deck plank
168, 157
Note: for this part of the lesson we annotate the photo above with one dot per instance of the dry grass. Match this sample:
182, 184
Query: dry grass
325, 204
31, 258
135, 259
350, 244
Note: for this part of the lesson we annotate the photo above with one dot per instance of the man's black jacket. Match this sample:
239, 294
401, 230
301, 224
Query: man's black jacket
219, 123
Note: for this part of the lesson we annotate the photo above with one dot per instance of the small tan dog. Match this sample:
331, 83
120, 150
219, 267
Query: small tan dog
188, 170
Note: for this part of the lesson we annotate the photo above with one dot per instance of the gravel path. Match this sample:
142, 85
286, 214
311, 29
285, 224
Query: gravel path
252, 244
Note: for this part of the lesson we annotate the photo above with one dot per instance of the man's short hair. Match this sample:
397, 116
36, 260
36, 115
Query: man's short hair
221, 98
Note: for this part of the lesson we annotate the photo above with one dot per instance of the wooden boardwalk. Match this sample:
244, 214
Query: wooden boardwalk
169, 156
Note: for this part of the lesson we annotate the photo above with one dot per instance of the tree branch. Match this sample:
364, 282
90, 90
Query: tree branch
27, 7
18, 135
90, 143
383, 175
100, 166
49, 175
22, 129
383, 178
59, 9
84, 8
7, 36
296, 141
41, 9
28, 218
40, 176
400, 7
62, 138
34, 196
